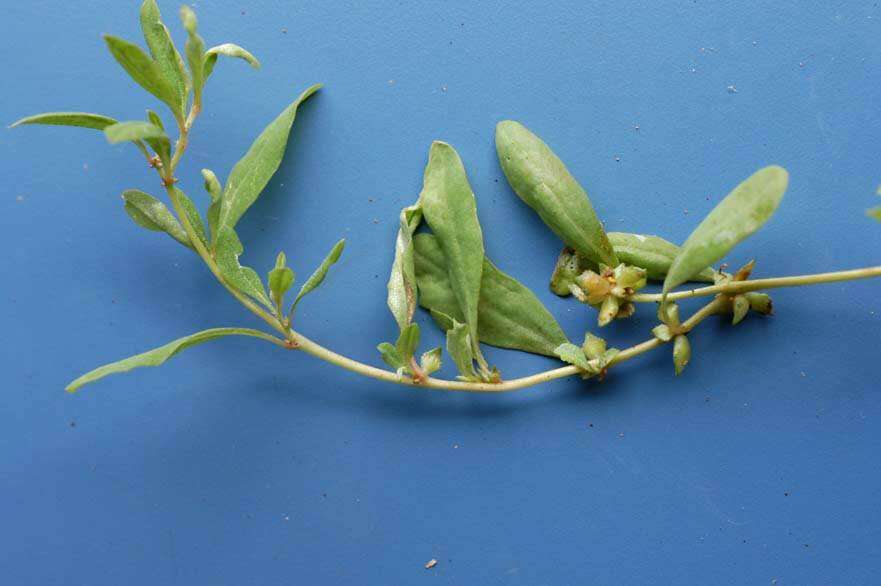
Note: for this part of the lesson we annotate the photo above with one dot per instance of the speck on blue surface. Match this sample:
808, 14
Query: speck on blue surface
238, 463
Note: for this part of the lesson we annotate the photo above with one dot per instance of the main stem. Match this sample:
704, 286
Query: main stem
735, 287
296, 340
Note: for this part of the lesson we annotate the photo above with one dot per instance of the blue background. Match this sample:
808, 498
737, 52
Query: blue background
238, 463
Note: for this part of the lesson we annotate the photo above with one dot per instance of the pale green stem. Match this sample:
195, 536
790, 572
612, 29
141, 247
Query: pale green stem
734, 287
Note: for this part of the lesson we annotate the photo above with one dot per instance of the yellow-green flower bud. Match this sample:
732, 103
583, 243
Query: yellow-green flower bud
760, 303
740, 307
608, 310
593, 346
681, 353
568, 267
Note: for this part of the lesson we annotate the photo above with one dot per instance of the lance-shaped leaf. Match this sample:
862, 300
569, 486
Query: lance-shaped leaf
451, 211
245, 279
542, 181
150, 213
228, 50
192, 215
133, 131
408, 342
320, 273
402, 292
392, 357
740, 214
144, 71
509, 314
164, 53
253, 171
155, 119
652, 253
195, 52
280, 279
212, 186
80, 119
459, 346
159, 355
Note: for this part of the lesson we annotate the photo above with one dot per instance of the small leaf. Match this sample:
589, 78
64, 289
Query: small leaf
195, 52
253, 171
542, 181
391, 357
280, 280
318, 276
245, 279
431, 361
192, 214
459, 346
402, 291
159, 355
163, 51
80, 119
740, 214
155, 120
874, 213
212, 186
150, 213
133, 131
228, 50
408, 342
451, 211
144, 71
510, 315
574, 355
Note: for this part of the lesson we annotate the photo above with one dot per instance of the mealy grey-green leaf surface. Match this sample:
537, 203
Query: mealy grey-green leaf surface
192, 214
451, 211
402, 291
316, 278
164, 53
134, 130
150, 213
253, 171
215, 191
572, 354
737, 216
194, 49
544, 183
243, 278
459, 346
509, 314
80, 119
228, 50
144, 71
159, 355
652, 253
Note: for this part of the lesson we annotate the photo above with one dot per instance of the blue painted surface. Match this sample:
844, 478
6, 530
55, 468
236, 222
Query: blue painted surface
238, 463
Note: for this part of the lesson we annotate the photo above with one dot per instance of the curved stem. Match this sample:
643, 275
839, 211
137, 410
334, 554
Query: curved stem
735, 287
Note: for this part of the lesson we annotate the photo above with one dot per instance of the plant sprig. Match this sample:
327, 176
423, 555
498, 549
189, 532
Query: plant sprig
446, 271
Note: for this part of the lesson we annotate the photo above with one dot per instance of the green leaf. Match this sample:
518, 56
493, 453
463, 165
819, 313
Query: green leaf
451, 211
574, 355
150, 213
408, 342
740, 214
144, 71
459, 346
318, 276
542, 181
212, 186
164, 53
245, 279
192, 214
652, 253
155, 120
253, 171
402, 291
875, 213
195, 52
80, 119
280, 280
159, 355
228, 50
134, 131
391, 357
510, 315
